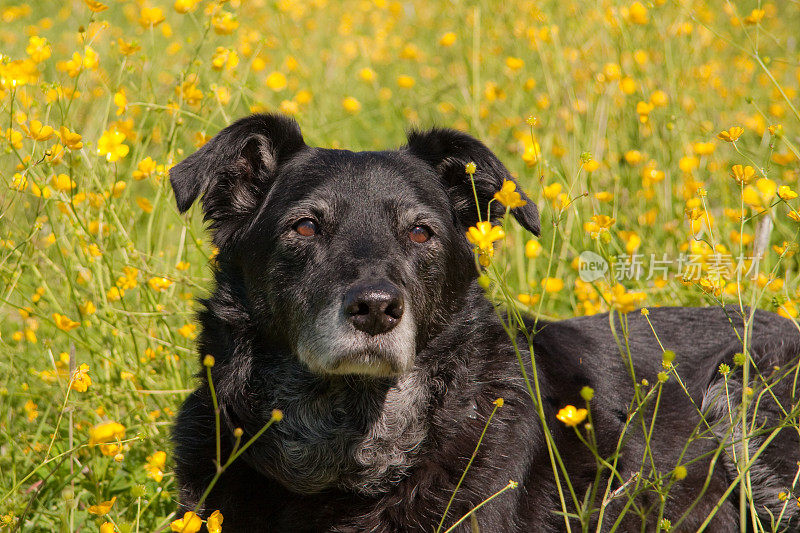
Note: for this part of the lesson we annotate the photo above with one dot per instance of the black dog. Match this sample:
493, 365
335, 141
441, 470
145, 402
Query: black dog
346, 296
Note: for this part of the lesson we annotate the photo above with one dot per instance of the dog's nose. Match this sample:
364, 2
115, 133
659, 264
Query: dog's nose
374, 309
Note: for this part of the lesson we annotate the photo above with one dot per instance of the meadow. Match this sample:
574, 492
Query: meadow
660, 140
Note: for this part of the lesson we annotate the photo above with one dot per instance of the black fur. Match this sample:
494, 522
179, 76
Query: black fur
378, 430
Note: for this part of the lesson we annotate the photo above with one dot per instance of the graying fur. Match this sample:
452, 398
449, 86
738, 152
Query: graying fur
352, 433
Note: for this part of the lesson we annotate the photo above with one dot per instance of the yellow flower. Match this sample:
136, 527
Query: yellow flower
70, 139
95, 7
224, 58
87, 308
190, 523
188, 331
659, 98
514, 63
63, 322
144, 204
111, 145
571, 416
754, 17
351, 105
155, 466
145, 168
508, 195
448, 39
786, 193
532, 249
742, 174
405, 82
102, 508
107, 527
633, 157
126, 48
19, 72
62, 182
603, 221
121, 101
159, 284
483, 234
637, 13
767, 188
189, 92
214, 522
184, 6
31, 410
81, 379
731, 135
603, 196
701, 148
622, 300
38, 49
105, 432
688, 163
91, 59
276, 81
38, 131
627, 85
150, 17
224, 23
114, 294
551, 191
643, 109
552, 284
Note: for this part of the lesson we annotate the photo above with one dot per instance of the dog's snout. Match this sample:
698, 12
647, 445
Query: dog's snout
374, 308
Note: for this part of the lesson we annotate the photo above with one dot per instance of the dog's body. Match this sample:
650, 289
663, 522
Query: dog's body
347, 297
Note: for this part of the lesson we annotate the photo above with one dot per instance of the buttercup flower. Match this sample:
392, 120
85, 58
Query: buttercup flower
742, 174
106, 432
111, 145
102, 508
571, 416
190, 523
214, 522
508, 195
483, 234
731, 135
81, 379
63, 322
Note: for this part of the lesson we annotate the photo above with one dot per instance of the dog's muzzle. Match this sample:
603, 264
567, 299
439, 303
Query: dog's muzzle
369, 330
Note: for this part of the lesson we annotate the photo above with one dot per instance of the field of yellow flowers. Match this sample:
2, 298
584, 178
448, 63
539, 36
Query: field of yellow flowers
661, 140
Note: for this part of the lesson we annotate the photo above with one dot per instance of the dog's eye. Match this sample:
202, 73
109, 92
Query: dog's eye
419, 234
306, 227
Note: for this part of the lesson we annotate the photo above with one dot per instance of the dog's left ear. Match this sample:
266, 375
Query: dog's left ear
448, 152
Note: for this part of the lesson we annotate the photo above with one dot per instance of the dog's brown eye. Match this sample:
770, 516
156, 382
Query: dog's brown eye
419, 234
306, 227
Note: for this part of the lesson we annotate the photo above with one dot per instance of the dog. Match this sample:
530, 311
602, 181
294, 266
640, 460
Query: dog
347, 297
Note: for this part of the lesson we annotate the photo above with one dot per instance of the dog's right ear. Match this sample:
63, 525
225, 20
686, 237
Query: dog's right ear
234, 170
447, 152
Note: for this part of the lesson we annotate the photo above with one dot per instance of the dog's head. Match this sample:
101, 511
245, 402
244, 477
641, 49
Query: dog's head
351, 259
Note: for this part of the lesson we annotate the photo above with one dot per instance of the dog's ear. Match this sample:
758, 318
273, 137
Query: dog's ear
234, 170
448, 152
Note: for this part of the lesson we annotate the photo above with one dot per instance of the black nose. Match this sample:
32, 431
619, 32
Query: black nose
374, 308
